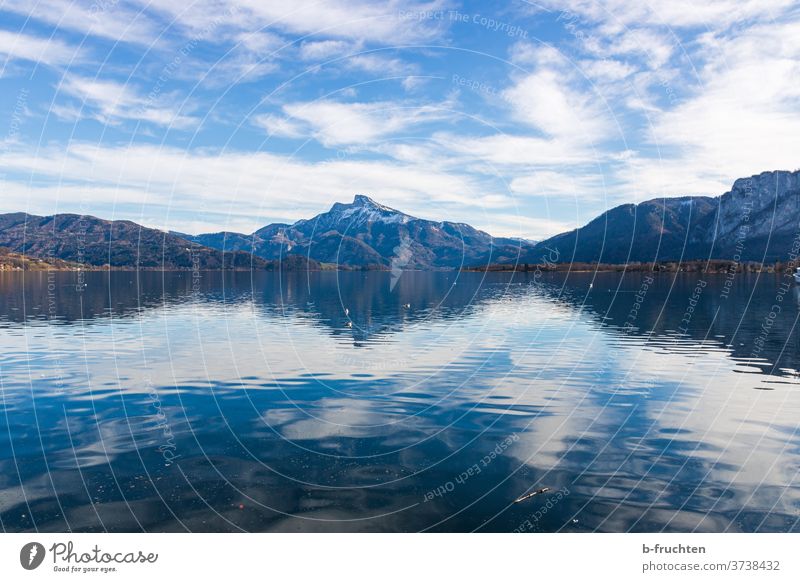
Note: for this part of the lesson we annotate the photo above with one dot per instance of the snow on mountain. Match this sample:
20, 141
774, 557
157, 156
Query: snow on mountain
367, 233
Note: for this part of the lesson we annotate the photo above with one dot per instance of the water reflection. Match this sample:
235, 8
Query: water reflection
336, 402
695, 312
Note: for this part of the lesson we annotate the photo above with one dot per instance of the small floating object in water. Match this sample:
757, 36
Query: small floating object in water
532, 494
349, 324
346, 311
407, 306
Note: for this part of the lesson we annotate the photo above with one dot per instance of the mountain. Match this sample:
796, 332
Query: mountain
17, 262
119, 243
757, 220
652, 230
365, 233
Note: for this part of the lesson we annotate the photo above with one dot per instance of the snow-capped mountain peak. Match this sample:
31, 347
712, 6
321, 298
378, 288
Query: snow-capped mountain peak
362, 210
364, 201
367, 233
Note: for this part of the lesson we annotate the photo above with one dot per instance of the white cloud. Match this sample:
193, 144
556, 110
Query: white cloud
414, 82
607, 69
110, 102
351, 55
118, 21
553, 98
714, 13
546, 101
280, 126
357, 20
260, 43
15, 45
260, 33
616, 15
704, 94
516, 150
558, 185
252, 188
655, 47
644, 178
324, 49
522, 226
334, 123
380, 65
238, 67
739, 119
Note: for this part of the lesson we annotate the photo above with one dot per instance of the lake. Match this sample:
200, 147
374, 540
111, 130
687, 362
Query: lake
356, 401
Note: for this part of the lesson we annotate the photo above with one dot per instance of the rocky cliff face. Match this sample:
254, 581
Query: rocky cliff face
757, 220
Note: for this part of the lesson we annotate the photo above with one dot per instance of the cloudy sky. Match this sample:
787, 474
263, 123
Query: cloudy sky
522, 118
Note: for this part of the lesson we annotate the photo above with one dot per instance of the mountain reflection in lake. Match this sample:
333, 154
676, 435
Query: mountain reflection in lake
338, 402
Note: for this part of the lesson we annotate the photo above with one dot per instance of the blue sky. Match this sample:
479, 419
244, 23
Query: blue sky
521, 118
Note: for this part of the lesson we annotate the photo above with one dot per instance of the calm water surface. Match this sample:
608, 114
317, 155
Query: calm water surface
342, 402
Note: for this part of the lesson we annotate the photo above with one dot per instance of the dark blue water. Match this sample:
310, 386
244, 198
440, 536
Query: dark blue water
339, 402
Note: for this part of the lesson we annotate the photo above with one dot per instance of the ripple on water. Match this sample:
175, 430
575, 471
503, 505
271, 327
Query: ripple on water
249, 404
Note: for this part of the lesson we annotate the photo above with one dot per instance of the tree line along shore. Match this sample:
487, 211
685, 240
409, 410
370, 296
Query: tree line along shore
10, 261
692, 266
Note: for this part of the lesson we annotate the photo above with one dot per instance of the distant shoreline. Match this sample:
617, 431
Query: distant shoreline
18, 262
712, 267
693, 266
33, 265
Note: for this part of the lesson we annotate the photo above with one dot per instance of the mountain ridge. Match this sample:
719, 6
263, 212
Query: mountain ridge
756, 220
85, 239
366, 233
